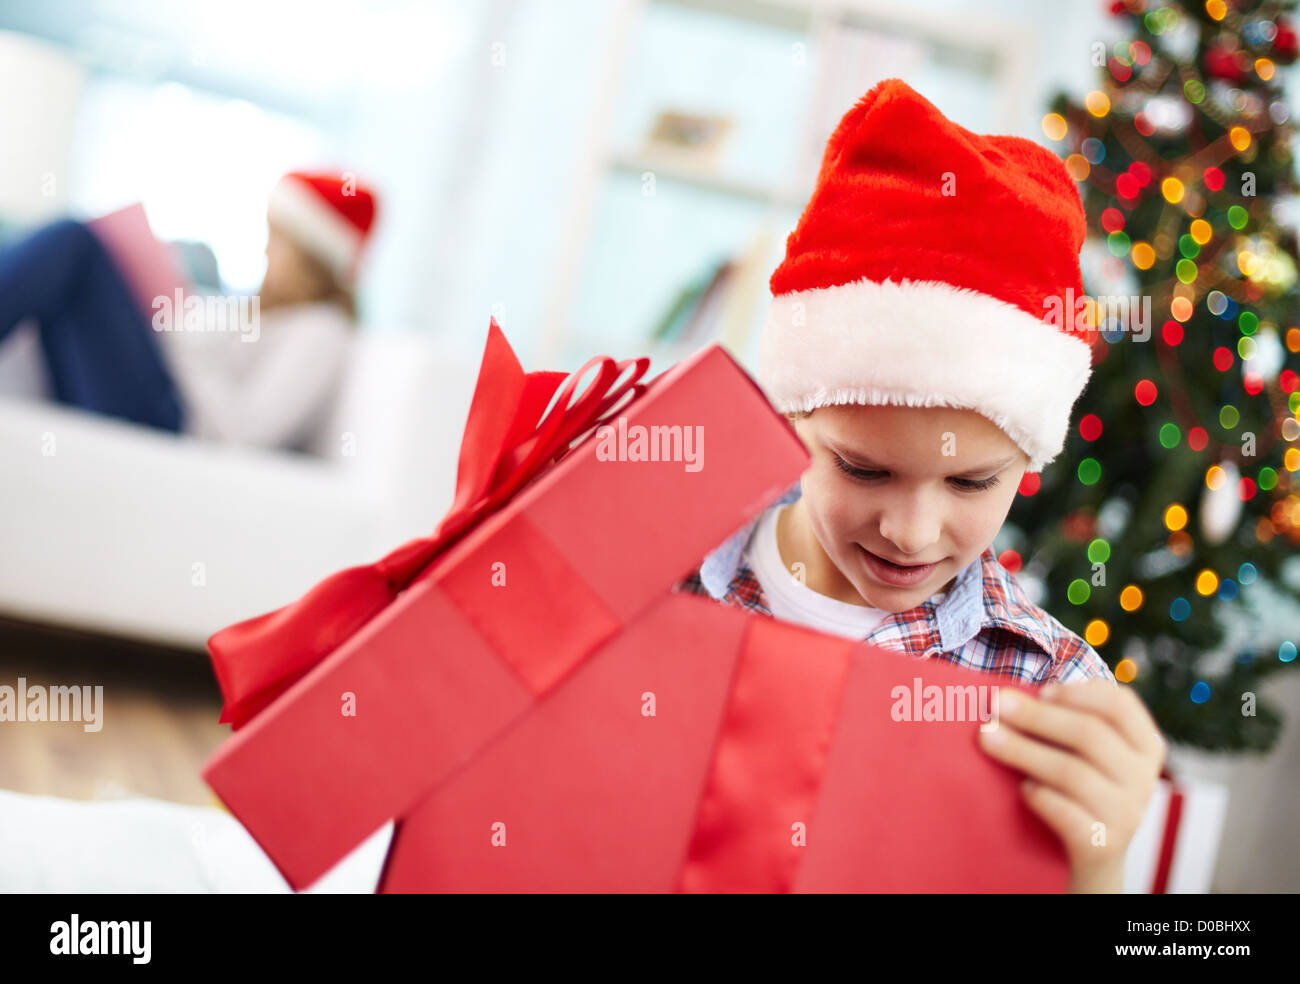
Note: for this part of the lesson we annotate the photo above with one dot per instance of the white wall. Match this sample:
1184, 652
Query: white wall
39, 89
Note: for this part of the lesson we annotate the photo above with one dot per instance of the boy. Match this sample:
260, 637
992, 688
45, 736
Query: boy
906, 343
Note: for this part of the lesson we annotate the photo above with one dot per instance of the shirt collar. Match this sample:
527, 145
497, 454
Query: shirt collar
983, 594
959, 617
720, 567
1007, 606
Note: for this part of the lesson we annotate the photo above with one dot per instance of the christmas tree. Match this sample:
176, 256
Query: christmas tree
1162, 532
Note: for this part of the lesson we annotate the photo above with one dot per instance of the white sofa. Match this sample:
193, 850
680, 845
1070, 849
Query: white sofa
123, 530
136, 845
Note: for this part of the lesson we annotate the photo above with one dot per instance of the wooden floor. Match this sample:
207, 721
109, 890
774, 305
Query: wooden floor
159, 718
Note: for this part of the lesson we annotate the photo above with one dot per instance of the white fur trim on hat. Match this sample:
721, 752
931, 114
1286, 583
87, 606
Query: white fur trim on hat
924, 344
314, 225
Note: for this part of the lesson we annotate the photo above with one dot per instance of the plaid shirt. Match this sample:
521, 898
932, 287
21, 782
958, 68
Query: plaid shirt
986, 622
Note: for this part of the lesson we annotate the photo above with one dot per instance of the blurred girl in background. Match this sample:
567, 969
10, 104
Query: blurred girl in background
267, 387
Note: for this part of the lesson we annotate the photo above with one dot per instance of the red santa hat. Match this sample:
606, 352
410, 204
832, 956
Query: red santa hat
924, 272
327, 215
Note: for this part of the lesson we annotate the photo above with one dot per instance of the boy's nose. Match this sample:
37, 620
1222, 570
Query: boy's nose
912, 533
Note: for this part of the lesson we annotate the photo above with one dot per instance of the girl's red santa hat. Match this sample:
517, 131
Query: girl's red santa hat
327, 215
929, 269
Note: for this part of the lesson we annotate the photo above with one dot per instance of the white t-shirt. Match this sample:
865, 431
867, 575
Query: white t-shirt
794, 601
267, 392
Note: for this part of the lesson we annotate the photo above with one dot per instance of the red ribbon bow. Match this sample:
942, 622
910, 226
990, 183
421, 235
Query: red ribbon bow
519, 424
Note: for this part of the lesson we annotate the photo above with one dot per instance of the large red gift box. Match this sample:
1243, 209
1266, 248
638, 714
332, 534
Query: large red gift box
355, 701
705, 749
479, 685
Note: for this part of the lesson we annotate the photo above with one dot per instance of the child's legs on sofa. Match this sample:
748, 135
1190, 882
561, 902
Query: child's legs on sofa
98, 345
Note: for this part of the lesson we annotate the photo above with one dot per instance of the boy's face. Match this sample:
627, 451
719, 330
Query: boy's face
902, 499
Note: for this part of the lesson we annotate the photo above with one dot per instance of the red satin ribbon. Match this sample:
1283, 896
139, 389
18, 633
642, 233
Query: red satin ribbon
1169, 838
767, 767
518, 425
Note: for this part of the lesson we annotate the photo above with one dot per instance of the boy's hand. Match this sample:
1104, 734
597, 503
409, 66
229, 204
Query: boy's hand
1092, 754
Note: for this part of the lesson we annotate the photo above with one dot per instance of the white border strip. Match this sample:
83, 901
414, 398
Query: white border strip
925, 343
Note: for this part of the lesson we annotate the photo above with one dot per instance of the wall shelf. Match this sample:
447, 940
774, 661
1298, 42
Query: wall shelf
842, 42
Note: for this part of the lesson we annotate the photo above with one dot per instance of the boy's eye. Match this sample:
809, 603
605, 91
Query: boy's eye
975, 484
871, 474
864, 474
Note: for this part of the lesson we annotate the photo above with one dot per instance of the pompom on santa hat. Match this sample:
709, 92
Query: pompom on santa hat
923, 272
328, 216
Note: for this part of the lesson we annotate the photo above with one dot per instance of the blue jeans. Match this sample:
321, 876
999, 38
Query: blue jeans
99, 347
